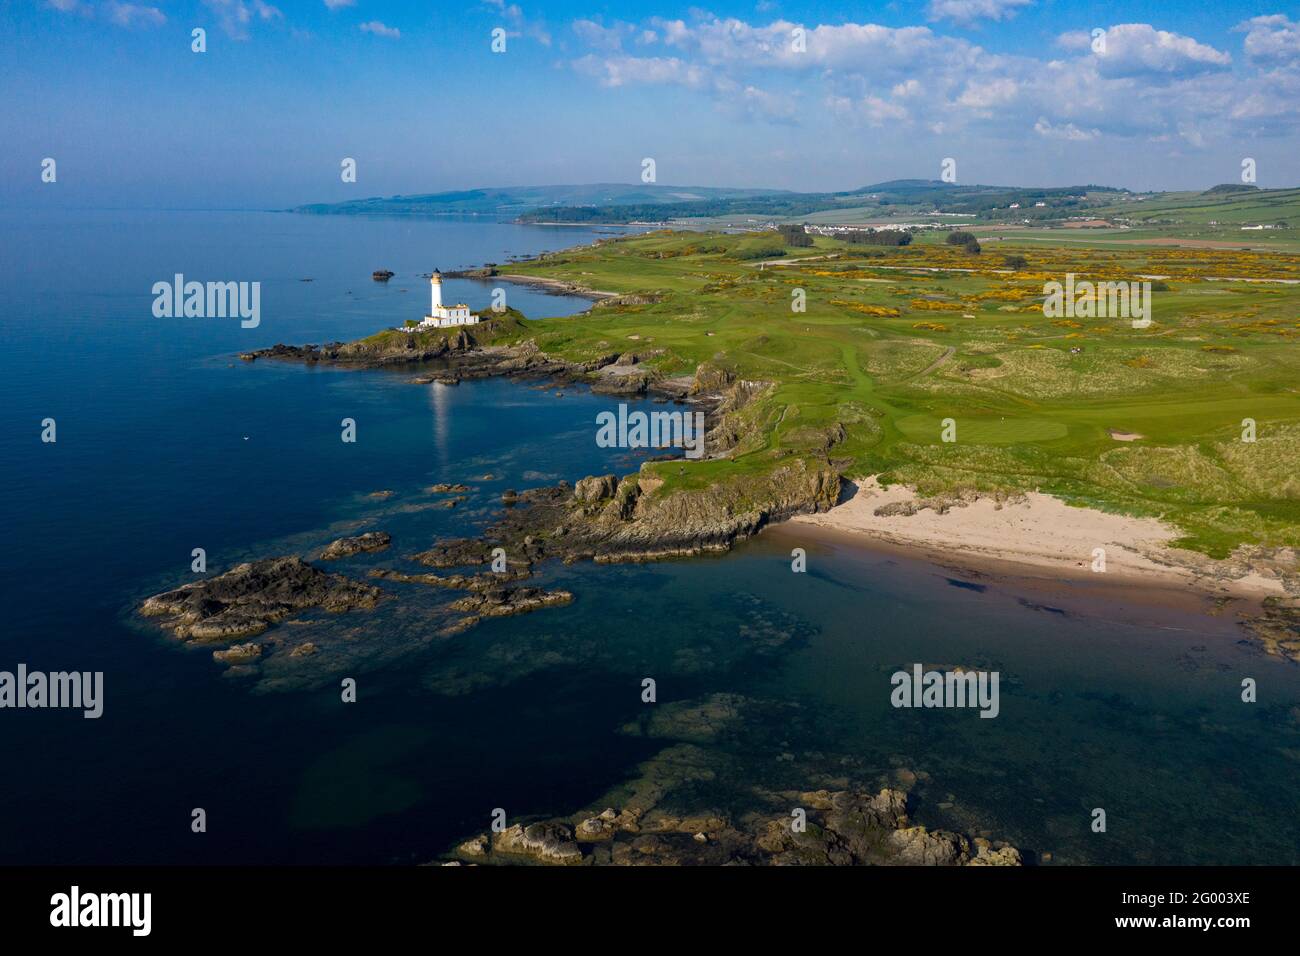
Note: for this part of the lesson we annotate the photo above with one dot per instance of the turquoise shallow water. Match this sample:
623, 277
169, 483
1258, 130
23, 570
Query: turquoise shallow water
166, 443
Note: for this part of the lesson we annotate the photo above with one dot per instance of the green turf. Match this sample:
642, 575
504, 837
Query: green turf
895, 340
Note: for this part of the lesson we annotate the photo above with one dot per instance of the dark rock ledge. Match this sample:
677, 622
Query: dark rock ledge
366, 543
844, 828
250, 597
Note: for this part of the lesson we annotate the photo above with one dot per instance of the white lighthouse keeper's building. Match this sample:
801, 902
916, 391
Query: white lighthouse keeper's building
441, 316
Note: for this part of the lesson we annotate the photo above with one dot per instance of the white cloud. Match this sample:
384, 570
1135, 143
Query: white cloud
116, 12
235, 16
1271, 39
631, 70
1275, 97
1149, 83
771, 106
339, 4
873, 110
879, 111
1066, 131
521, 25
133, 14
968, 11
380, 30
1139, 49
860, 46
990, 93
599, 36
1075, 40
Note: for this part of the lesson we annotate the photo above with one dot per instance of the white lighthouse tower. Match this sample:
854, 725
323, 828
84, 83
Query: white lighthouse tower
441, 316
435, 288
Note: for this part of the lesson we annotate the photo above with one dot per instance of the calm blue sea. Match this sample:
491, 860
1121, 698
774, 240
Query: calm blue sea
167, 442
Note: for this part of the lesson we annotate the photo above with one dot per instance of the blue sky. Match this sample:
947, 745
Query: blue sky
728, 94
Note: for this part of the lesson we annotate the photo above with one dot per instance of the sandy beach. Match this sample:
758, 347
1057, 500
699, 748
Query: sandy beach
1039, 536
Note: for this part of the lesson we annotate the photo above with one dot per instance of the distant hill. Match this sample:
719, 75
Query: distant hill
899, 196
510, 201
1229, 188
1227, 203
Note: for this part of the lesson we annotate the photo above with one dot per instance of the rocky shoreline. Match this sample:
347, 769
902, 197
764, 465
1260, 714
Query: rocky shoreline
602, 518
608, 518
459, 358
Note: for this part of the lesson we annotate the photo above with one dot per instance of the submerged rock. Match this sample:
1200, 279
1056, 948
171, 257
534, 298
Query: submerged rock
459, 582
502, 602
250, 597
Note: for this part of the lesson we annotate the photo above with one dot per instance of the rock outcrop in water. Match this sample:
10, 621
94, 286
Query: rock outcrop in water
238, 654
366, 543
819, 828
503, 602
250, 597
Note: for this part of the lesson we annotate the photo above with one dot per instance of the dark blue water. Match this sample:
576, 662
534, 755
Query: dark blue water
166, 442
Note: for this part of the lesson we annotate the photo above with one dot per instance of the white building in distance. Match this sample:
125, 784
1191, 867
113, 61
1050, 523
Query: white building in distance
443, 316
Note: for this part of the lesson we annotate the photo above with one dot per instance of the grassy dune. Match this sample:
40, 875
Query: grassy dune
895, 341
